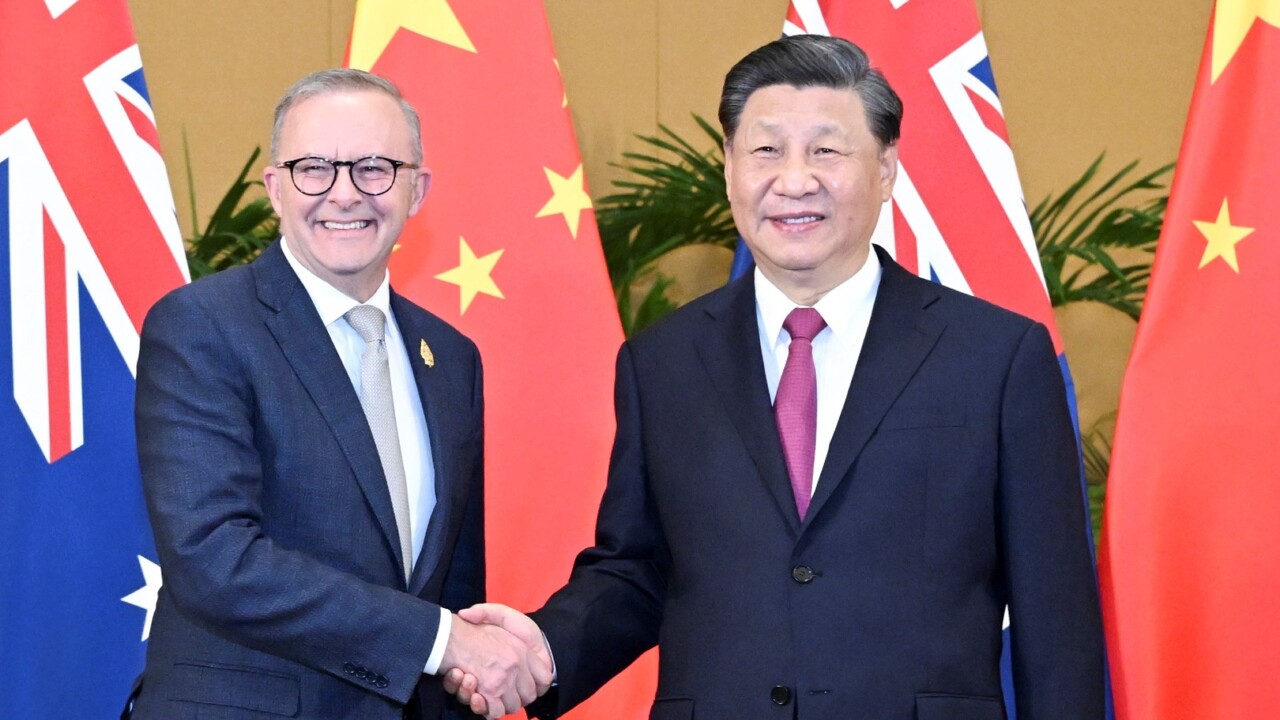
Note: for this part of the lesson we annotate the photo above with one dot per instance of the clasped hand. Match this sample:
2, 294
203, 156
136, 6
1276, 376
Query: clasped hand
496, 661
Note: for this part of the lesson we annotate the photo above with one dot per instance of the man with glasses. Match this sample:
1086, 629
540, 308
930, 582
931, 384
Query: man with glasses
311, 447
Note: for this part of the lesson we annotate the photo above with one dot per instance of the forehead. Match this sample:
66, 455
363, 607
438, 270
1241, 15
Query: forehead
779, 108
333, 124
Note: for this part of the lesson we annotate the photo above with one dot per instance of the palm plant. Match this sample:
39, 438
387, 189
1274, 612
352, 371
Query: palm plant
674, 197
237, 231
1078, 231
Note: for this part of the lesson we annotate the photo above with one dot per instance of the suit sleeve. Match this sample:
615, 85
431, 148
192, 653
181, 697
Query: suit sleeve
609, 612
203, 479
1053, 599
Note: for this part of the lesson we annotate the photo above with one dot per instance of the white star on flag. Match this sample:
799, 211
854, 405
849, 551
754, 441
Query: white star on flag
145, 596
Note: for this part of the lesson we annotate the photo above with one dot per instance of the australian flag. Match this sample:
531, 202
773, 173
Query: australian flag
88, 241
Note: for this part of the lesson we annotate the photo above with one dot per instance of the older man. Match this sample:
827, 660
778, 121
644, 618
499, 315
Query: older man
311, 447
831, 478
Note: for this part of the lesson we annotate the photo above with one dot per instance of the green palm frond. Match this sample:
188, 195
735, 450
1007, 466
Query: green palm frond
1079, 231
651, 308
673, 197
1095, 446
237, 231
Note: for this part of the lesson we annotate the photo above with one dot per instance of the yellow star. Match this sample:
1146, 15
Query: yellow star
378, 20
1222, 237
472, 274
568, 198
1231, 22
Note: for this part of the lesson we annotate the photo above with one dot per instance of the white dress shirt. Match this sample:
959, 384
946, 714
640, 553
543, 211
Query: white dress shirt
847, 310
411, 421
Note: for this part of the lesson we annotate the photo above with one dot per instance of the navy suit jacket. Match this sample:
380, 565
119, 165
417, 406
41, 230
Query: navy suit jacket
284, 594
951, 489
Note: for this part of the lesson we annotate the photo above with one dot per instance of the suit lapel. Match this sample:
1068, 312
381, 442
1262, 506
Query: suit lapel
309, 350
730, 351
432, 386
899, 337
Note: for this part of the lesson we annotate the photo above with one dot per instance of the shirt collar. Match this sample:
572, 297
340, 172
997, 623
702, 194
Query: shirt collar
331, 302
839, 307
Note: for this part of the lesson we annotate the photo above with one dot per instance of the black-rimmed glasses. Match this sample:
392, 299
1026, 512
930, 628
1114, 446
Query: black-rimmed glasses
371, 175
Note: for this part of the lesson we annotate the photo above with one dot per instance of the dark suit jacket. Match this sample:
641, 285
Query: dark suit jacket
952, 487
284, 594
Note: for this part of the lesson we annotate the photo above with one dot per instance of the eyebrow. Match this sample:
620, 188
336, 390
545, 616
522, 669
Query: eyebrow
819, 130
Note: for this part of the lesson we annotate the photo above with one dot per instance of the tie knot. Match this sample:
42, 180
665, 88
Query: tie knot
368, 321
803, 323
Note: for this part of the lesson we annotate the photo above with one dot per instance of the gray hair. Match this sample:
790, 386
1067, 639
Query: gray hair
812, 61
323, 82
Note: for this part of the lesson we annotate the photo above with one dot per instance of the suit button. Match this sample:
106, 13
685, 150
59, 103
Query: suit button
802, 574
780, 694
348, 668
382, 682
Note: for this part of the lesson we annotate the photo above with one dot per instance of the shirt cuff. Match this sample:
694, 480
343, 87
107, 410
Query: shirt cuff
442, 639
555, 674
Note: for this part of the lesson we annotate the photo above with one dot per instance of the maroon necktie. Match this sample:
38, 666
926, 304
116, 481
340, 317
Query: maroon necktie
795, 408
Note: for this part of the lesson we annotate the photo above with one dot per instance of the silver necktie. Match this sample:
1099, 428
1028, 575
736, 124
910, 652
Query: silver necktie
380, 411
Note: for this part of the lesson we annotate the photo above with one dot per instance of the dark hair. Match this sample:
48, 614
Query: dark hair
812, 61
323, 82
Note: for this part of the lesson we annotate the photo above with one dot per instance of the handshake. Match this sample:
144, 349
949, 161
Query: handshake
496, 660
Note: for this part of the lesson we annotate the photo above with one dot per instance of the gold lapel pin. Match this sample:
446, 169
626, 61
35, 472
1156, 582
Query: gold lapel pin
427, 357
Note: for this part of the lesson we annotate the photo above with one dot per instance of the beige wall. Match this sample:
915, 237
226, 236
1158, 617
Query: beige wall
1076, 79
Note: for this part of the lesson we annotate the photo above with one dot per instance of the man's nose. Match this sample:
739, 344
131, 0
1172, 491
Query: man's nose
796, 177
344, 192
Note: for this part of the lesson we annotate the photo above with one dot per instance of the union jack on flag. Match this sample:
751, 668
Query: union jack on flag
88, 241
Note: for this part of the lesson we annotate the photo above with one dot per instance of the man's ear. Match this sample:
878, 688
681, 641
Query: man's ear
421, 183
272, 180
888, 171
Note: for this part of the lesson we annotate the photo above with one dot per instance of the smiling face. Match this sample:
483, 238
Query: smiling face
344, 236
806, 179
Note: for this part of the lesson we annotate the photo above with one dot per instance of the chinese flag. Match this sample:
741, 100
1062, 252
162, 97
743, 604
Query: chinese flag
506, 249
1191, 546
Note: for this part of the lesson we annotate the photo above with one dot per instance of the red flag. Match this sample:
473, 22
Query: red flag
507, 250
1191, 544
